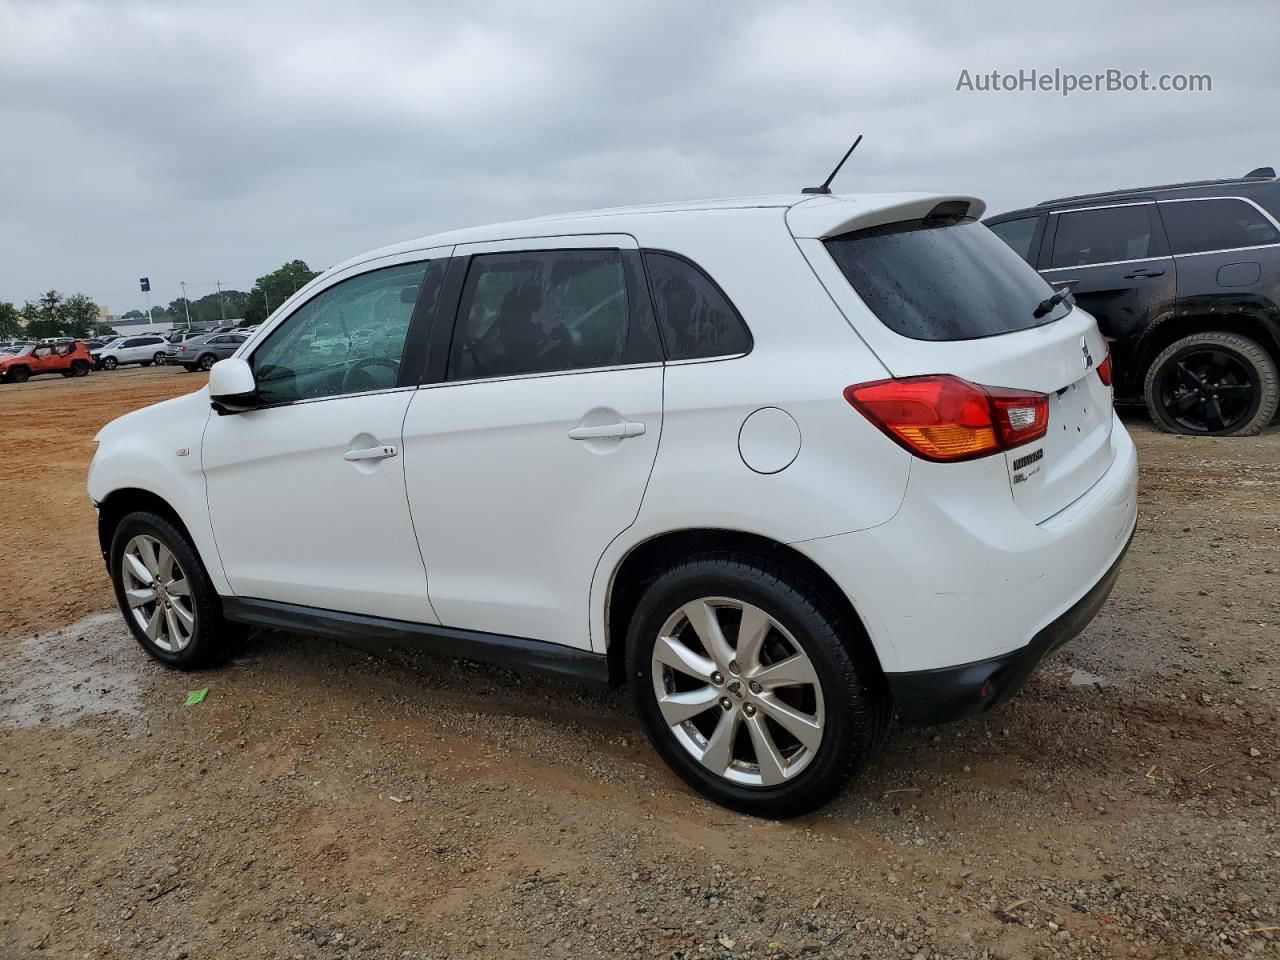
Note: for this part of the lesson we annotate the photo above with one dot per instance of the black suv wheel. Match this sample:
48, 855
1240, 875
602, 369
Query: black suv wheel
1213, 384
751, 687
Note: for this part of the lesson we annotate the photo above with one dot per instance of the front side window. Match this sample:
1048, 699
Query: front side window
695, 318
349, 338
1104, 235
1018, 234
540, 312
1195, 226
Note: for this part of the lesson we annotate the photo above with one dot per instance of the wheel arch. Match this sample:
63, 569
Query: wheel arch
649, 558
1174, 326
119, 503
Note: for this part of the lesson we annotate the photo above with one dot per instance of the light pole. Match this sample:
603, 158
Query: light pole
222, 303
186, 304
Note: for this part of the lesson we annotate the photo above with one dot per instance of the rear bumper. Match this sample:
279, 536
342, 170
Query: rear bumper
960, 576
951, 693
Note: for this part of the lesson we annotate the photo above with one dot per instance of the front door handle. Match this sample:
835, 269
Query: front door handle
371, 453
609, 431
1059, 284
1143, 273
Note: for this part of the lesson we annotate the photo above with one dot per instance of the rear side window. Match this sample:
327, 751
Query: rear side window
942, 278
1103, 235
540, 312
1018, 234
696, 319
1195, 226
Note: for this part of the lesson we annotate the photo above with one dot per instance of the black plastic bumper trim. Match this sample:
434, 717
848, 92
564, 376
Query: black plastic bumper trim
515, 653
952, 693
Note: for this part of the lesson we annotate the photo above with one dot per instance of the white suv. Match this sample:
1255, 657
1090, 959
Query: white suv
785, 465
144, 350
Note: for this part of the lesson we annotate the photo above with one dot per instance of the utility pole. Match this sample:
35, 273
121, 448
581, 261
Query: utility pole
222, 302
265, 302
186, 304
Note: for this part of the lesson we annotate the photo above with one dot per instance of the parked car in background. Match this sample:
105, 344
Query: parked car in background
201, 353
958, 509
67, 357
174, 339
1185, 282
144, 350
13, 346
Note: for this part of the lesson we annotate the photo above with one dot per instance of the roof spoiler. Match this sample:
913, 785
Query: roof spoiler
1261, 173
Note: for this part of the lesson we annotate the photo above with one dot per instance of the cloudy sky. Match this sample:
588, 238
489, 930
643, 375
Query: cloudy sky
214, 141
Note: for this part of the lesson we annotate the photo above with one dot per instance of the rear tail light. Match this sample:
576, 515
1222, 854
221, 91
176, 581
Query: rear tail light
181, 349
944, 418
1104, 368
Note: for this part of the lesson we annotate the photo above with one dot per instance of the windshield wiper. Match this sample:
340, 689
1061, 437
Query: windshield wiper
1048, 303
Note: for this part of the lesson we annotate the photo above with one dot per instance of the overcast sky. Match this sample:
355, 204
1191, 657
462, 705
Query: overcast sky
214, 141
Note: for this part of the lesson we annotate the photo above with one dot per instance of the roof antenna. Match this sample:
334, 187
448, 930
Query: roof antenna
826, 184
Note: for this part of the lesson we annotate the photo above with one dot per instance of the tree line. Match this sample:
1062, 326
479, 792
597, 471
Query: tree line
54, 315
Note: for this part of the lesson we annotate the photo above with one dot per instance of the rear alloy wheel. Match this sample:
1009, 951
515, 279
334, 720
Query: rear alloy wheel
109, 363
1214, 384
79, 368
751, 688
207, 362
158, 357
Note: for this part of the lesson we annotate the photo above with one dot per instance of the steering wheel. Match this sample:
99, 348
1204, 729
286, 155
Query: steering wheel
355, 373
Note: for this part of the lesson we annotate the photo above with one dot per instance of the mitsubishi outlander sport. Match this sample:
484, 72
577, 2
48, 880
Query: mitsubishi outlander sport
785, 465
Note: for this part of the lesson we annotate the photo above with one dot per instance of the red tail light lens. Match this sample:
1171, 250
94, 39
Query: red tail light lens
945, 419
1104, 368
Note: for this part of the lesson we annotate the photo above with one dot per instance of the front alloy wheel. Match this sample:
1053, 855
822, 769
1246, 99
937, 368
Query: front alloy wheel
750, 711
158, 593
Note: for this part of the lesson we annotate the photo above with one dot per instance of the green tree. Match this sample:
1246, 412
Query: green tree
272, 290
10, 321
132, 315
228, 305
44, 316
78, 316
178, 310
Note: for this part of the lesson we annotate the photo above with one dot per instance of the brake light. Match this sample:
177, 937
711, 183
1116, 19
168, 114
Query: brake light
944, 418
181, 350
1104, 368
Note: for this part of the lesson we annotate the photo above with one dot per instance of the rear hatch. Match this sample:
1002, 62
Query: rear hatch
952, 298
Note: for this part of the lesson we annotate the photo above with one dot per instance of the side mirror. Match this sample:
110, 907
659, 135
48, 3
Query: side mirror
231, 386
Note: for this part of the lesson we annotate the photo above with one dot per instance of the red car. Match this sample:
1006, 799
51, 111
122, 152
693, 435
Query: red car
69, 358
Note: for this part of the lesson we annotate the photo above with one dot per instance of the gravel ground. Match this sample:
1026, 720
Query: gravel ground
326, 802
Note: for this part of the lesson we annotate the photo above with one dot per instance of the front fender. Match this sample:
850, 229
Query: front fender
157, 450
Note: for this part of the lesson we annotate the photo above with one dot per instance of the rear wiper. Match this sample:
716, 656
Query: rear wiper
1048, 303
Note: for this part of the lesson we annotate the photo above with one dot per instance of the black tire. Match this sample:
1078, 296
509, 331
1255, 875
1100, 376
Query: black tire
79, 368
1212, 384
857, 704
109, 363
19, 374
189, 368
66, 373
213, 638
158, 357
207, 361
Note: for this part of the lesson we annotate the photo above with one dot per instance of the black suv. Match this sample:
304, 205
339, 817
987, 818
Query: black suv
1184, 281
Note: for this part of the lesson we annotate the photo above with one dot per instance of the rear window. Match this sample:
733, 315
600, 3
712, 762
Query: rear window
1197, 226
942, 278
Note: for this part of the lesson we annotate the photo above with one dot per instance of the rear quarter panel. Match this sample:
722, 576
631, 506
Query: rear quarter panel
846, 476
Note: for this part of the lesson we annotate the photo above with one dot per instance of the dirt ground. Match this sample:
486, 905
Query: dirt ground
325, 803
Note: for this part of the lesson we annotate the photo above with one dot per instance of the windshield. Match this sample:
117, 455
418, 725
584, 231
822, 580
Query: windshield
943, 278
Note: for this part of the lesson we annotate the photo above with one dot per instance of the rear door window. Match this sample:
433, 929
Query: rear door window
942, 278
1103, 235
540, 311
1018, 234
1196, 226
696, 319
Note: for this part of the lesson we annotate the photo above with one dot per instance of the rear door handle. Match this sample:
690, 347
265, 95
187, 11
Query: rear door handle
1063, 283
371, 453
620, 431
1143, 273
